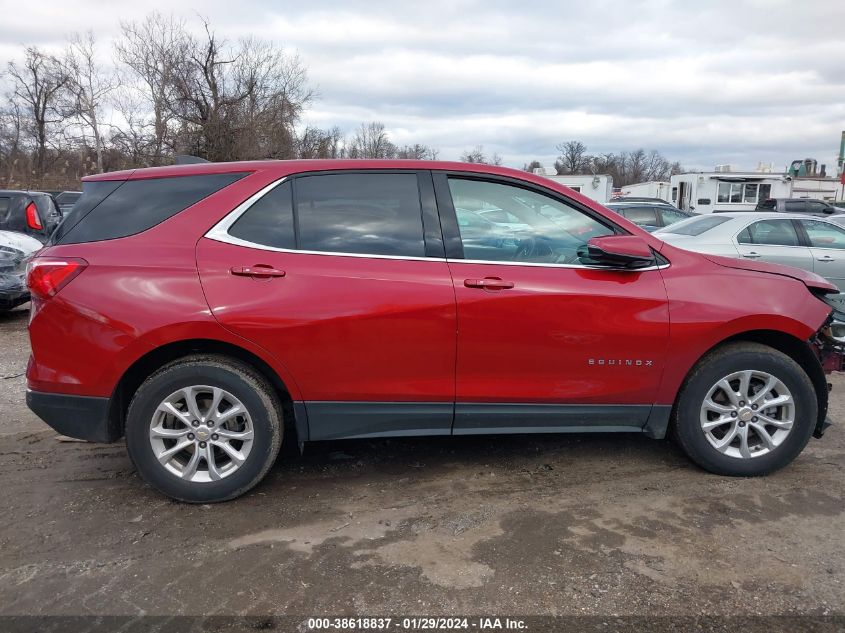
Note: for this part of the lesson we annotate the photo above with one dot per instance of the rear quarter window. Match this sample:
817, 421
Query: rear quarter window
119, 209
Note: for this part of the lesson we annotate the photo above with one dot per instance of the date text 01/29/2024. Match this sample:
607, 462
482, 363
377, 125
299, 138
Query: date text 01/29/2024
417, 623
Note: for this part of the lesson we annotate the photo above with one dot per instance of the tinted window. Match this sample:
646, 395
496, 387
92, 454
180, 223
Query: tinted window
697, 226
796, 206
269, 221
138, 205
93, 193
371, 214
771, 233
767, 204
817, 207
670, 216
824, 234
644, 216
543, 229
68, 197
4, 205
46, 206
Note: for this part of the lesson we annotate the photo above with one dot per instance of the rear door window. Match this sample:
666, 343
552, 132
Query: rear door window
643, 216
369, 214
134, 206
770, 233
794, 206
670, 216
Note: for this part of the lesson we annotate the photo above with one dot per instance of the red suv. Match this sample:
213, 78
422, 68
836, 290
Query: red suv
198, 309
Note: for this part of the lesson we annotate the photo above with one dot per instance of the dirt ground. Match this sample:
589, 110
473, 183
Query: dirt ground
572, 524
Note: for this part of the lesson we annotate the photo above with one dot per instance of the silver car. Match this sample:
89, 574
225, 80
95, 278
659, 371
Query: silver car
812, 243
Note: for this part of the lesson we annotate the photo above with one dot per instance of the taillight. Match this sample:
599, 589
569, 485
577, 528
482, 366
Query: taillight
32, 219
45, 276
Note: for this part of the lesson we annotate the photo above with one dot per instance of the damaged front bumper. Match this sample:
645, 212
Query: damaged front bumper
829, 345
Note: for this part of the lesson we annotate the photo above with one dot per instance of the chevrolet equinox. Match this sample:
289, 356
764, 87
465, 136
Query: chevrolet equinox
203, 311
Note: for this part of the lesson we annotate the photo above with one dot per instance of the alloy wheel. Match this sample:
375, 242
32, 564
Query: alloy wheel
747, 414
201, 433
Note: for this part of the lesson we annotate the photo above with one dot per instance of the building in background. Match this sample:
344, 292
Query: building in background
725, 189
653, 189
598, 187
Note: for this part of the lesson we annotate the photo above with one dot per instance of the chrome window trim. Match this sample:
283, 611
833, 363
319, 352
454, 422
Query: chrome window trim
220, 233
551, 265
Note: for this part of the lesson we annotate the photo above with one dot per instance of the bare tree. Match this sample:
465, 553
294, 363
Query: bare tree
153, 49
317, 143
88, 89
478, 155
11, 127
236, 102
417, 152
530, 167
36, 84
573, 158
371, 141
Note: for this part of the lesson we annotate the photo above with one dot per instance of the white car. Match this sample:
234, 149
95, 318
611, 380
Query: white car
809, 242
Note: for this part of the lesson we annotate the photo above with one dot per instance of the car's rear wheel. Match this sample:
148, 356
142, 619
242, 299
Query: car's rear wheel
746, 409
204, 429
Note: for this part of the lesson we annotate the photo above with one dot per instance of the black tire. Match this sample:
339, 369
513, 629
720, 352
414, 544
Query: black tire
721, 362
239, 379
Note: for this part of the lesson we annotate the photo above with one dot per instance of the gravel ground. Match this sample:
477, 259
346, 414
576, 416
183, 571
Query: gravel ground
573, 524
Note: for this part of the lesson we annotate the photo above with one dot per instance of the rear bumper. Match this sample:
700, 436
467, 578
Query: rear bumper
81, 417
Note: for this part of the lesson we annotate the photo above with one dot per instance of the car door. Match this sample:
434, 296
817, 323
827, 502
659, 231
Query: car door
341, 277
546, 343
827, 246
774, 240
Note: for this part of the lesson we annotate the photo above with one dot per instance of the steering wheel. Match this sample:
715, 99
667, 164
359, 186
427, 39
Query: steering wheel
532, 249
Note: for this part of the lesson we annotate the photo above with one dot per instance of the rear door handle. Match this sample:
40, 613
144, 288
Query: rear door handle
751, 255
826, 258
258, 271
488, 283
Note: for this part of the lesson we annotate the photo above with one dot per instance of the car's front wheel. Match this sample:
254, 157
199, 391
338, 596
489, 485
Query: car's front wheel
746, 409
204, 429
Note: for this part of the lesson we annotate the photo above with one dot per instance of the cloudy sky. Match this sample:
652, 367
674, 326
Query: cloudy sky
704, 82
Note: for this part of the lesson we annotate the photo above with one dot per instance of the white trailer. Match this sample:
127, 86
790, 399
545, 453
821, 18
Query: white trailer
652, 189
598, 187
726, 190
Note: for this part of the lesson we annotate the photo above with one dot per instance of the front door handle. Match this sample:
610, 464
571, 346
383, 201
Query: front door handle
258, 271
751, 255
488, 283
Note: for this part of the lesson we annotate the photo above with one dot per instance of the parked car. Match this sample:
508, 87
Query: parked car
30, 212
650, 215
15, 251
207, 311
811, 243
796, 205
66, 199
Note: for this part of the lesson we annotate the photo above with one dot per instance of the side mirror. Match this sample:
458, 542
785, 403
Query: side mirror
628, 252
